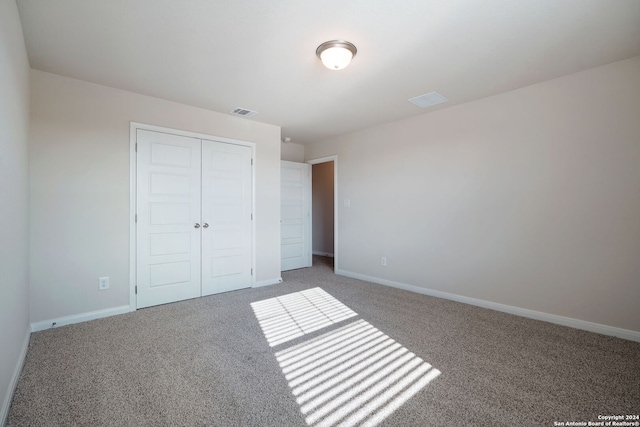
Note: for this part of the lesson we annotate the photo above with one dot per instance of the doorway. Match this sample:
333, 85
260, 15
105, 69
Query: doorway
324, 197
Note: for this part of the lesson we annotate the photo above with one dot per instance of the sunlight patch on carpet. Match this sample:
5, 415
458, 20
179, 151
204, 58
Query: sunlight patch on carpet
352, 375
294, 315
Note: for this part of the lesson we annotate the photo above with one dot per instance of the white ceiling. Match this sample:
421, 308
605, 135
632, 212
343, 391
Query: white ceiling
260, 55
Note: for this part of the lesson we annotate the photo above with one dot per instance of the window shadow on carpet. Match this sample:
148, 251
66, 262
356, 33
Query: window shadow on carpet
351, 375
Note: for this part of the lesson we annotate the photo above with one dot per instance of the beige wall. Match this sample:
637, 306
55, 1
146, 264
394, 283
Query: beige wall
292, 152
80, 189
322, 206
14, 201
530, 198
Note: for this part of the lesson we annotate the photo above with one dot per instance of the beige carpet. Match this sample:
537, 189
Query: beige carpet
351, 353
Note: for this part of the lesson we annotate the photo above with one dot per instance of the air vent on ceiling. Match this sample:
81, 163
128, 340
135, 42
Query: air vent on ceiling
428, 99
243, 112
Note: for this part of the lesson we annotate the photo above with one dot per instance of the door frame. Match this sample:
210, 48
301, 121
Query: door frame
334, 159
133, 195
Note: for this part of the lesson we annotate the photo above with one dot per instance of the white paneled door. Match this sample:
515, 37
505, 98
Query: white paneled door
168, 209
194, 214
226, 216
295, 215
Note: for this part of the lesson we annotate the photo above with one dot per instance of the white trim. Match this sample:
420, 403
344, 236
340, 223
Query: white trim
134, 126
78, 318
132, 215
333, 159
254, 162
6, 404
531, 314
323, 254
267, 282
190, 134
323, 160
309, 206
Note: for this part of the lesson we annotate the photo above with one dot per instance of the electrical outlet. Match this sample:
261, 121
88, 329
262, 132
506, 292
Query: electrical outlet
347, 203
383, 261
103, 283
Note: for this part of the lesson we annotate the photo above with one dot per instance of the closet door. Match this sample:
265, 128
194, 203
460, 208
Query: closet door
226, 216
168, 218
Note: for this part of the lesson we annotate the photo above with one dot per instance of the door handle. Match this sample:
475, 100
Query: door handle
205, 225
197, 225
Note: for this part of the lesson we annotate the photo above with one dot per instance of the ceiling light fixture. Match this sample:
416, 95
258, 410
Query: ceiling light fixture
336, 54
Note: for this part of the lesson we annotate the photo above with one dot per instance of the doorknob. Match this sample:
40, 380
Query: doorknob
205, 225
197, 225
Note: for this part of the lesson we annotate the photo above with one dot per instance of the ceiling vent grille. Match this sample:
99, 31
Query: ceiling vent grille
243, 112
428, 99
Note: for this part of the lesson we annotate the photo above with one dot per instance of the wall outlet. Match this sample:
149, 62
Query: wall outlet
347, 203
103, 283
383, 261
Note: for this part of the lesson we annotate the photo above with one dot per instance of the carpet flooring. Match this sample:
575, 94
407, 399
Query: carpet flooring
337, 351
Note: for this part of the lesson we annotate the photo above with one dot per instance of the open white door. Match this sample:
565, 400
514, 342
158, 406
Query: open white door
226, 216
168, 209
295, 215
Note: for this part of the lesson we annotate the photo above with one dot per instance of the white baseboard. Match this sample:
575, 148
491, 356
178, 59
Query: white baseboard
77, 318
267, 282
6, 404
323, 254
532, 314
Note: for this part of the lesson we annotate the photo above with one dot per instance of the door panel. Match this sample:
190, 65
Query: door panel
227, 212
295, 215
168, 206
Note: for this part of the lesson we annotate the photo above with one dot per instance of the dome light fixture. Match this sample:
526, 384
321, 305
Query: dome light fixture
336, 54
